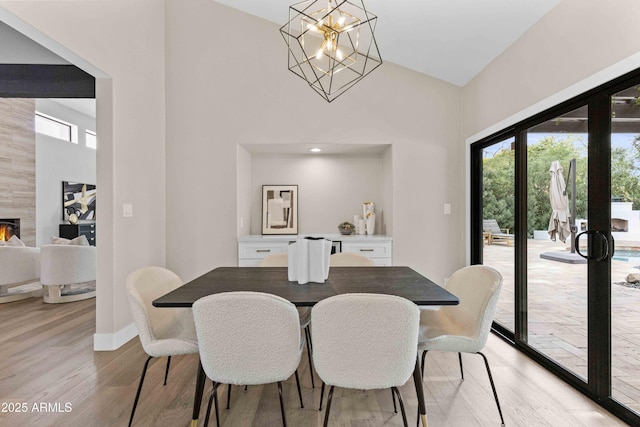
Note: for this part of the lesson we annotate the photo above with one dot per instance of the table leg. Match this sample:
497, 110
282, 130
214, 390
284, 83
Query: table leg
417, 379
197, 400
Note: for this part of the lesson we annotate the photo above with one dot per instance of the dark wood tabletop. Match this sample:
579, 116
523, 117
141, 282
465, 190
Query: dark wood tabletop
400, 281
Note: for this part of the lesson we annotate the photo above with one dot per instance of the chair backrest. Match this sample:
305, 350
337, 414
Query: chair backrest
350, 259
365, 341
247, 337
142, 287
478, 288
275, 260
491, 225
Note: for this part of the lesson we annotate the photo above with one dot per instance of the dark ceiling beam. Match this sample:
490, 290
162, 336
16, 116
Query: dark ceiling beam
45, 81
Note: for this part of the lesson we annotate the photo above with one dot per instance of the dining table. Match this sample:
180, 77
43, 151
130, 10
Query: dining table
395, 280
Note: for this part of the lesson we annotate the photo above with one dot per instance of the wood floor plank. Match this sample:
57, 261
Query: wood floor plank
48, 358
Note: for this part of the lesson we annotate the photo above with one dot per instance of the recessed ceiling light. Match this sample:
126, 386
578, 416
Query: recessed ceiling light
315, 150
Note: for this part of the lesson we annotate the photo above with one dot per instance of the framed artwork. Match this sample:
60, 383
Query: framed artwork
279, 209
78, 199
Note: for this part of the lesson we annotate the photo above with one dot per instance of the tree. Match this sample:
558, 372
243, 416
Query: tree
499, 181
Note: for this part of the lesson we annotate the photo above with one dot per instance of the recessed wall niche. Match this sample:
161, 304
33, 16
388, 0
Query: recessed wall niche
332, 184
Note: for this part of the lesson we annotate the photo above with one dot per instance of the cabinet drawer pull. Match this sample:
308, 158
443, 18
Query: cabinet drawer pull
263, 250
366, 250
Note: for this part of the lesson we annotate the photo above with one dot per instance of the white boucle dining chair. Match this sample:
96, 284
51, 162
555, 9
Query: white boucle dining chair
464, 328
162, 331
281, 260
365, 341
350, 259
247, 338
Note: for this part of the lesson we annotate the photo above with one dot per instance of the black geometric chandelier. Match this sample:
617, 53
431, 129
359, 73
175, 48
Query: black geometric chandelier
331, 44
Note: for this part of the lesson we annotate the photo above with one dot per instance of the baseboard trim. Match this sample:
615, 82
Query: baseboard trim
110, 342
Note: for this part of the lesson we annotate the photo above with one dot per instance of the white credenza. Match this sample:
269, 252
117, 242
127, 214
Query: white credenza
251, 249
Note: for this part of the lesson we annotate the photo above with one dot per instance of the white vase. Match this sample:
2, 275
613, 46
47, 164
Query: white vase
361, 226
371, 224
367, 208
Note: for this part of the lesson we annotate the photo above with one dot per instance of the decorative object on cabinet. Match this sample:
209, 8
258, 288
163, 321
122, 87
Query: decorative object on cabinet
279, 209
331, 44
346, 228
81, 198
369, 215
371, 224
74, 215
71, 231
367, 208
362, 227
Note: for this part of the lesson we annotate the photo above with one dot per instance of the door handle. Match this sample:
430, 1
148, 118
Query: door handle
604, 245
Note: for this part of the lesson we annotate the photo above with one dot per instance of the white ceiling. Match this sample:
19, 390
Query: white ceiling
16, 48
86, 106
452, 40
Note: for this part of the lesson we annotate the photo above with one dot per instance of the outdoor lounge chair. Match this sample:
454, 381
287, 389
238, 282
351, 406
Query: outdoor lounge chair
497, 233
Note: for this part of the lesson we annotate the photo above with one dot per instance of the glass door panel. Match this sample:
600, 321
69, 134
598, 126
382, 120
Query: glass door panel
498, 213
625, 229
556, 275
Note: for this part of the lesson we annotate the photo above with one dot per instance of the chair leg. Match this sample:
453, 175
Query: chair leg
215, 403
424, 354
166, 374
321, 396
135, 402
299, 391
326, 414
284, 418
493, 387
213, 398
404, 414
307, 336
228, 396
393, 397
460, 360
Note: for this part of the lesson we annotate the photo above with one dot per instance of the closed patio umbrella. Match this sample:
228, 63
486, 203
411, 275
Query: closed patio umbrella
559, 226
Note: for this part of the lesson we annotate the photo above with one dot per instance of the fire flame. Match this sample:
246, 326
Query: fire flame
4, 232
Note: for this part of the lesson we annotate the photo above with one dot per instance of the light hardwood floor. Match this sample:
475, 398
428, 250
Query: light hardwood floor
47, 357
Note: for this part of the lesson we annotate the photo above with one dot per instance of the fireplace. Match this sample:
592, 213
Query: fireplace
619, 225
9, 228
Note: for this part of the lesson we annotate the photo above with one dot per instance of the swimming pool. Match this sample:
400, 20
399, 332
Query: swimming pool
627, 255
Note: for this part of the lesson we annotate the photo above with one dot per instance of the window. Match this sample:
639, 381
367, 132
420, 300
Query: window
91, 139
56, 128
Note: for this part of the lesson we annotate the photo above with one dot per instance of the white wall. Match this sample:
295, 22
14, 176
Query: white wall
573, 42
331, 188
244, 175
122, 42
227, 84
56, 161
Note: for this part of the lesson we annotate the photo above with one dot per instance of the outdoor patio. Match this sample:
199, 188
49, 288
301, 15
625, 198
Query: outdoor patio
557, 310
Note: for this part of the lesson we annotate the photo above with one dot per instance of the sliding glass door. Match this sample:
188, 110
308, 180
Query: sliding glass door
625, 264
566, 183
498, 213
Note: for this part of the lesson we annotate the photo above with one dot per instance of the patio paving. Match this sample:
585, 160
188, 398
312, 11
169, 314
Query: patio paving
558, 313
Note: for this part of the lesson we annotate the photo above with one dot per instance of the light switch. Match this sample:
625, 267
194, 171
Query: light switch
127, 210
447, 208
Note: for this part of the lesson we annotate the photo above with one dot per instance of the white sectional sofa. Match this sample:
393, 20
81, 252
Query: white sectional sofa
19, 267
66, 265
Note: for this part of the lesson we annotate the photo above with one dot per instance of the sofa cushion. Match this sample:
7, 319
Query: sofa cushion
78, 241
13, 241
